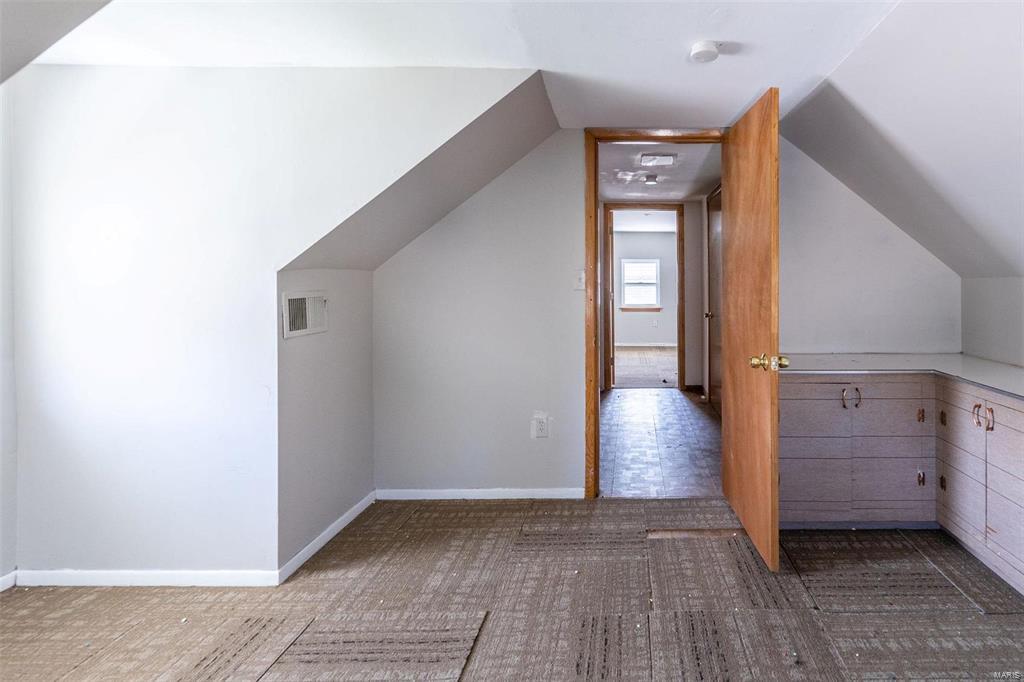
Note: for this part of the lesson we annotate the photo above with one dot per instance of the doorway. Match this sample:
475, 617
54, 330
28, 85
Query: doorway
658, 437
749, 317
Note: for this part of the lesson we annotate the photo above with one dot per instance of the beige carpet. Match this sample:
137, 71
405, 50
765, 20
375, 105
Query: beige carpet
545, 590
646, 367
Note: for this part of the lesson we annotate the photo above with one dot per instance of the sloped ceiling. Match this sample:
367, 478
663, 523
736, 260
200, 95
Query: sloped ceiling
925, 121
29, 27
447, 177
604, 64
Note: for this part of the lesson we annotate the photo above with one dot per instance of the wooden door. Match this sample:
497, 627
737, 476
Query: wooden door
608, 298
750, 322
714, 311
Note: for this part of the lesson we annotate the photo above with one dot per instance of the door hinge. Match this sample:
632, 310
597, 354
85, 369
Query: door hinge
920, 415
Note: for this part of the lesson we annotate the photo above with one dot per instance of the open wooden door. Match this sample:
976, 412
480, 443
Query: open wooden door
750, 324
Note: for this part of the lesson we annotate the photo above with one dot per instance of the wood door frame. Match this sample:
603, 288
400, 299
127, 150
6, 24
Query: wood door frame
592, 357
608, 275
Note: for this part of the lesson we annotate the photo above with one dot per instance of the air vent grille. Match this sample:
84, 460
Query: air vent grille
304, 313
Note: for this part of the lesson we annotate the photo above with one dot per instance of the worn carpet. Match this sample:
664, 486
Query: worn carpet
547, 590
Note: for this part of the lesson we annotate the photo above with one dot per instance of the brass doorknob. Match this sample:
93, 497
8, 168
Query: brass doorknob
774, 363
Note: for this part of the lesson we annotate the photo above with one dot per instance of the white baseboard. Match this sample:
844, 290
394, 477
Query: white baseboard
479, 493
257, 578
143, 578
319, 541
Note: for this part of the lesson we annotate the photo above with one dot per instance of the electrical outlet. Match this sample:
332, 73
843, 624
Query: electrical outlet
654, 322
539, 425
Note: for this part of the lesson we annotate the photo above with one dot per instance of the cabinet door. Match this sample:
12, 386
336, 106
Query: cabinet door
894, 479
1004, 443
961, 502
957, 426
887, 417
814, 480
1005, 534
807, 409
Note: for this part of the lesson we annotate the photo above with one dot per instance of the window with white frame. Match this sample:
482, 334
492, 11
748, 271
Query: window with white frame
641, 282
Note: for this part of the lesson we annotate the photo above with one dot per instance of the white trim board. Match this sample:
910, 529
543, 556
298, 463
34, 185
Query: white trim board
69, 577
303, 555
259, 578
480, 494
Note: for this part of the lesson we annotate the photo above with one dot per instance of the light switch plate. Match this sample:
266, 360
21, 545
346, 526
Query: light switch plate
581, 280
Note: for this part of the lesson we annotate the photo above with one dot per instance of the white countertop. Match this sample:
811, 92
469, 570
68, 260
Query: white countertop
997, 375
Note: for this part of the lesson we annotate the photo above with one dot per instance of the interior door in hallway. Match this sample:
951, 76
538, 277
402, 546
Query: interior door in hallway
750, 322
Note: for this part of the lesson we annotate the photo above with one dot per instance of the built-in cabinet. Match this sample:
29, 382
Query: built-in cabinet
905, 449
856, 451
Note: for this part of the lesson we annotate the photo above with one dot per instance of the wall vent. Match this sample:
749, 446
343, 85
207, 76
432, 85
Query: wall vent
304, 312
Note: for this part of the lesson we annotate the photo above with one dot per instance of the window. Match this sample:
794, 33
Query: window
641, 282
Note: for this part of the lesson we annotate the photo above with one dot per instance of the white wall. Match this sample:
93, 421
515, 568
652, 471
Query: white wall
638, 328
994, 318
850, 280
693, 276
476, 325
8, 414
153, 210
325, 420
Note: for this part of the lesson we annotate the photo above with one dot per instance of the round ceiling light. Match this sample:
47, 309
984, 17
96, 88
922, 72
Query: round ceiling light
704, 51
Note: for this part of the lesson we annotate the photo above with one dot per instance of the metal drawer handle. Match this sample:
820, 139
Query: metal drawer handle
976, 413
942, 417
990, 419
920, 478
844, 400
857, 404
942, 482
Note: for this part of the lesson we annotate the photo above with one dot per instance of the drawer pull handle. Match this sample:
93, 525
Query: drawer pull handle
942, 482
920, 415
990, 419
920, 478
844, 400
857, 404
976, 414
942, 417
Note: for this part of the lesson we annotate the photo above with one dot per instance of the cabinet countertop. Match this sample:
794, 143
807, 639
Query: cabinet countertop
996, 375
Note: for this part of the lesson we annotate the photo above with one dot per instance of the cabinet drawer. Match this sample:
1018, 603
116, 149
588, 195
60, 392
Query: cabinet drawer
1008, 412
961, 459
814, 480
1007, 485
1005, 525
1006, 449
963, 497
893, 478
888, 389
893, 446
803, 447
791, 390
963, 396
813, 418
960, 429
887, 418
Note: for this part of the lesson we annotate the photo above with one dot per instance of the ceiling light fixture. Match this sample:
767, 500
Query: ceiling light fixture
704, 51
657, 159
650, 179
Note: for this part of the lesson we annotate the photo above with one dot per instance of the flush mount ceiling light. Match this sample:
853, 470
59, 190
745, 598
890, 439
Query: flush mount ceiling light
704, 51
650, 179
657, 159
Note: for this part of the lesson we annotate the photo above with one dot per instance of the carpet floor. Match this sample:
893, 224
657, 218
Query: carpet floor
623, 589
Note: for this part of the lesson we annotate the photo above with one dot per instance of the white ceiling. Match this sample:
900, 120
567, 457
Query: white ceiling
29, 27
644, 221
696, 171
605, 64
931, 131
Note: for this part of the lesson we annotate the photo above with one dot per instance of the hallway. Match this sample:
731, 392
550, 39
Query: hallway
659, 443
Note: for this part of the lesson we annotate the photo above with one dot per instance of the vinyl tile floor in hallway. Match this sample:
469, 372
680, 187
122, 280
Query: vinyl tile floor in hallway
547, 590
658, 442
